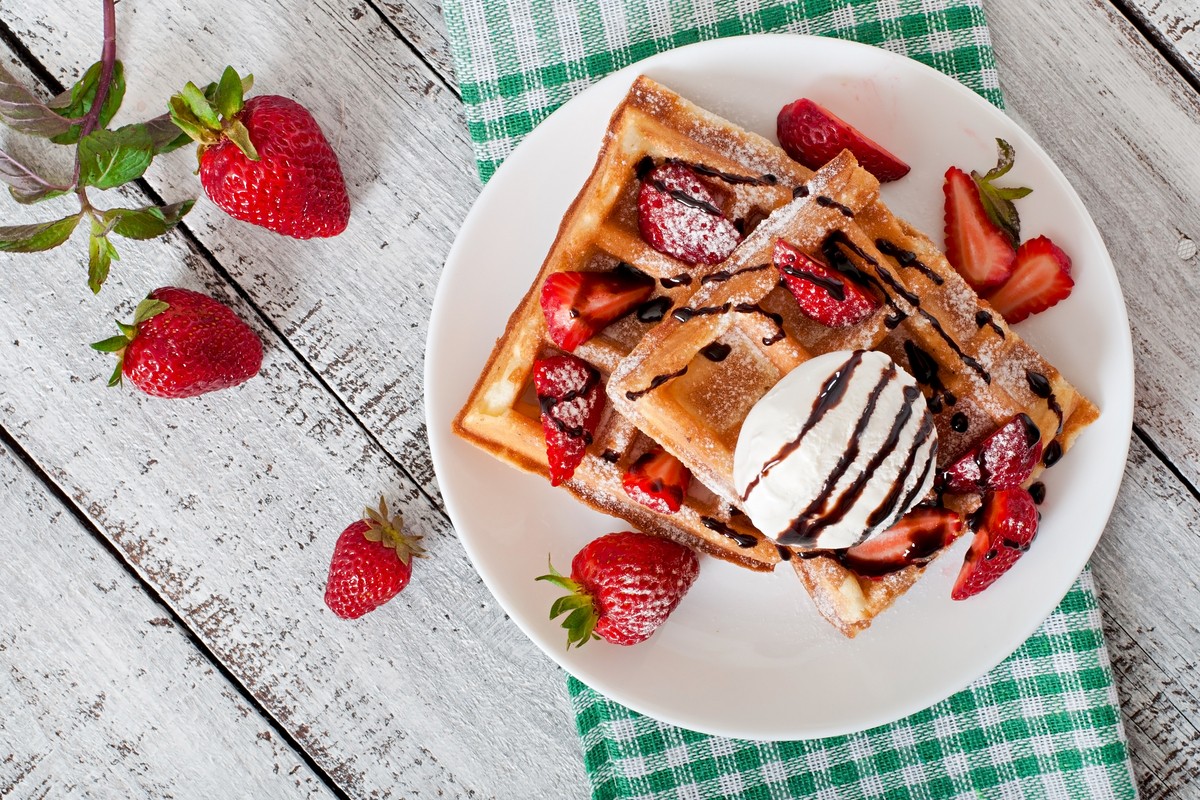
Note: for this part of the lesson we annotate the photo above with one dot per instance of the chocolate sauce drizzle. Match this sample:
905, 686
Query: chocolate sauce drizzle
1052, 454
1039, 384
800, 191
888, 505
804, 529
654, 310
831, 248
547, 404
716, 351
670, 282
766, 179
685, 314
829, 202
723, 275
984, 318
655, 382
1038, 492
610, 456
832, 392
926, 371
907, 258
743, 540
832, 284
959, 422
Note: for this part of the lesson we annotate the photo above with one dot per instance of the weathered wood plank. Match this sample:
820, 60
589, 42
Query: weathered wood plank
1148, 587
1175, 24
1121, 128
422, 25
101, 689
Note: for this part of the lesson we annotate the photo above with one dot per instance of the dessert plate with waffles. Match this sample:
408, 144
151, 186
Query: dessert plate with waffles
831, 330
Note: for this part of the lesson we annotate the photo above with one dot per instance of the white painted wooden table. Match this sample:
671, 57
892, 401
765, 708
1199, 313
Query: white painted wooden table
162, 631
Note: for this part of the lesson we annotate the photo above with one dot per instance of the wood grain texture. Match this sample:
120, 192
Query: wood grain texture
422, 25
103, 695
1175, 25
1123, 130
230, 504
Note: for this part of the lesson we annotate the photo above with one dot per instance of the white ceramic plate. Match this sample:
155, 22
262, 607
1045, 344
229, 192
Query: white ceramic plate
746, 655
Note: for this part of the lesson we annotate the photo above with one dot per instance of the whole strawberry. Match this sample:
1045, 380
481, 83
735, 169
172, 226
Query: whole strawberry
182, 344
622, 587
264, 160
372, 563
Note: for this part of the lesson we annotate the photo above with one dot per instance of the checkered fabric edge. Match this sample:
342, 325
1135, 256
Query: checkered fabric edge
518, 61
1043, 724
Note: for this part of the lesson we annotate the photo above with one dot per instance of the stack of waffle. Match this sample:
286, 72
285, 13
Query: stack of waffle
729, 332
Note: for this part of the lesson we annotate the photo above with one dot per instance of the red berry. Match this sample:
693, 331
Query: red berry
914, 539
824, 294
571, 400
294, 188
813, 135
1007, 523
680, 214
1041, 278
578, 305
183, 344
372, 562
1004, 459
975, 246
623, 586
658, 480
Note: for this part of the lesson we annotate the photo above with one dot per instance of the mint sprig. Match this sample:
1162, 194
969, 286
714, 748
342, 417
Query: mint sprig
998, 200
104, 159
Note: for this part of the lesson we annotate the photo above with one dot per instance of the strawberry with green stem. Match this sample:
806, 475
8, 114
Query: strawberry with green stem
104, 159
264, 160
371, 564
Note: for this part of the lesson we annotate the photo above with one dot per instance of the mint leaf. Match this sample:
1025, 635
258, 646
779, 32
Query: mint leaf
111, 158
25, 184
146, 223
37, 237
165, 135
101, 254
22, 111
77, 101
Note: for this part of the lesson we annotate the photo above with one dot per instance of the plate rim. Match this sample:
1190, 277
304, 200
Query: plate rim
1122, 405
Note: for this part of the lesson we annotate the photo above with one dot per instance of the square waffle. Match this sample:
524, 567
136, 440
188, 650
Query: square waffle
711, 360
600, 232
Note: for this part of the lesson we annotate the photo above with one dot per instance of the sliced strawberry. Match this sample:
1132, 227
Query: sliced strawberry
914, 539
1003, 460
658, 480
680, 214
1041, 278
824, 294
571, 399
578, 305
812, 135
979, 250
1007, 523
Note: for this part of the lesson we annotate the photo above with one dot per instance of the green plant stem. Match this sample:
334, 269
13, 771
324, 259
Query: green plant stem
108, 57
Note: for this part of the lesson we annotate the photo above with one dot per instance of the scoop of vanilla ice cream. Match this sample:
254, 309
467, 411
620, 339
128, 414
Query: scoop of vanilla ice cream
837, 451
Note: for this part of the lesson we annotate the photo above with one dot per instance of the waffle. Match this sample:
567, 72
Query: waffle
599, 232
973, 368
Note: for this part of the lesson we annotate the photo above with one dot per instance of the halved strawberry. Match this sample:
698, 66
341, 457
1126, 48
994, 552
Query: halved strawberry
1004, 459
571, 400
658, 480
680, 214
975, 246
1041, 278
1007, 523
813, 135
824, 294
578, 305
914, 539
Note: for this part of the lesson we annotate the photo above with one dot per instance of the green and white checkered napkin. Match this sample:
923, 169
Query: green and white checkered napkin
1046, 722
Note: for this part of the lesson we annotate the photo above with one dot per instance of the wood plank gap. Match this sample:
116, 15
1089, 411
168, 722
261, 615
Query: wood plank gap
1158, 41
1161, 456
69, 503
446, 80
56, 87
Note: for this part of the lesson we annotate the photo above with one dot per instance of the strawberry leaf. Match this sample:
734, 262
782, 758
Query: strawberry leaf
22, 111
37, 237
239, 135
199, 105
26, 185
146, 223
113, 344
149, 308
77, 101
111, 158
229, 97
997, 200
165, 135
